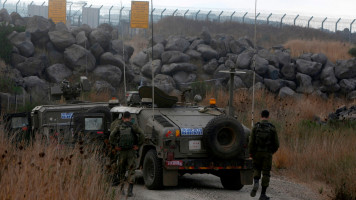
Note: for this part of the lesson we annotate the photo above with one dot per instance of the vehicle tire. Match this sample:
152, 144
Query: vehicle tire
152, 171
101, 109
231, 182
224, 137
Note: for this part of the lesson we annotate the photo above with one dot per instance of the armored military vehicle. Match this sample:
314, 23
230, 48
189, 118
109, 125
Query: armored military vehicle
18, 127
188, 139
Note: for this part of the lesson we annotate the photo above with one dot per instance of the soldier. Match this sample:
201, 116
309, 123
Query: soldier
113, 154
127, 138
263, 144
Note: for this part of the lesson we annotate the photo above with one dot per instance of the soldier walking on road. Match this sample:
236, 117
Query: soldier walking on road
127, 138
263, 144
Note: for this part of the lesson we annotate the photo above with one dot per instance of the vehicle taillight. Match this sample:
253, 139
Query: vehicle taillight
170, 156
100, 132
25, 128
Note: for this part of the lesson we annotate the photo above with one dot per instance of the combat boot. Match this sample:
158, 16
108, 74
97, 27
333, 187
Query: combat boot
264, 197
254, 189
129, 190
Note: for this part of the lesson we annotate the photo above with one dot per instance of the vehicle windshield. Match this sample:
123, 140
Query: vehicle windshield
94, 124
19, 122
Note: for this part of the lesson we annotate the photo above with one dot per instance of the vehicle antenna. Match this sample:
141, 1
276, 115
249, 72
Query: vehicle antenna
254, 67
153, 74
123, 57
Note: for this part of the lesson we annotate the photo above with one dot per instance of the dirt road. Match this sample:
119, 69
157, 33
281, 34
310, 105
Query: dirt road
208, 187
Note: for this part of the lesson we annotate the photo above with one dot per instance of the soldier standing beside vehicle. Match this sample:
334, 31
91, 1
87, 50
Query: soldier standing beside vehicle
127, 138
263, 144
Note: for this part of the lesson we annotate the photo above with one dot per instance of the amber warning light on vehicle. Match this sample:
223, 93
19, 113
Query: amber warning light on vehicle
212, 101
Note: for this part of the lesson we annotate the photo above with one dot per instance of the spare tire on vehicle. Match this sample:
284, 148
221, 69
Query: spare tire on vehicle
224, 137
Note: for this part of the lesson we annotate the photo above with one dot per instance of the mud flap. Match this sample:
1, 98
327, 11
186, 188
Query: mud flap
246, 177
170, 177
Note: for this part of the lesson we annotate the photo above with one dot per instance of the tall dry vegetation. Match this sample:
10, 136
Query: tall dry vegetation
334, 50
308, 151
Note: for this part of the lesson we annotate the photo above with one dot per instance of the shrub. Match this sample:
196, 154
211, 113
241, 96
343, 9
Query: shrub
5, 44
352, 51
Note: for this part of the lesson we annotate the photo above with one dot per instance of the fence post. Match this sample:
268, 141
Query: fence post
207, 16
282, 20
17, 4
3, 5
162, 12
81, 14
268, 18
310, 21
196, 15
295, 19
243, 18
151, 16
258, 14
99, 14
79, 19
220, 15
43, 3
351, 29
185, 13
336, 24
70, 11
90, 5
30, 3
110, 14
232, 15
174, 12
120, 18
322, 23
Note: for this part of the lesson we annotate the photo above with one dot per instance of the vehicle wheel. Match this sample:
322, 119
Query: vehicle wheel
224, 137
152, 171
101, 109
231, 182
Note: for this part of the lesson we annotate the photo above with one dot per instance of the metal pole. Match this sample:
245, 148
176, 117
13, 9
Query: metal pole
174, 12
351, 29
120, 19
70, 11
231, 91
322, 23
309, 21
282, 20
3, 5
81, 14
207, 16
196, 15
90, 5
232, 15
243, 18
152, 13
295, 19
79, 20
185, 13
336, 24
268, 18
220, 15
99, 14
17, 4
110, 14
153, 75
43, 3
256, 16
30, 3
162, 13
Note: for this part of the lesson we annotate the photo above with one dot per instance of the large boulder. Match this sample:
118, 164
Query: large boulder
247, 78
238, 83
17, 20
37, 88
176, 43
101, 37
347, 85
16, 59
140, 59
195, 44
328, 75
174, 57
158, 49
165, 83
31, 67
291, 84
260, 65
289, 71
173, 68
244, 60
352, 95
61, 39
345, 69
54, 55
118, 47
57, 72
96, 50
206, 37
84, 27
236, 47
22, 41
184, 79
38, 27
273, 85
104, 86
319, 58
304, 83
283, 58
109, 59
106, 27
211, 66
272, 72
286, 92
82, 40
266, 54
194, 54
79, 59
308, 67
221, 78
207, 52
109, 73
4, 16
146, 70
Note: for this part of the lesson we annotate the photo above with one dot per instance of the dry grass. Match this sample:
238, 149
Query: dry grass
309, 152
334, 50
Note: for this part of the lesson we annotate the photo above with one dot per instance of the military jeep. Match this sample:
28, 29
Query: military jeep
182, 138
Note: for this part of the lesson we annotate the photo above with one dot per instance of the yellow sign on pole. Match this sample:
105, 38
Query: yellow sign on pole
57, 10
139, 14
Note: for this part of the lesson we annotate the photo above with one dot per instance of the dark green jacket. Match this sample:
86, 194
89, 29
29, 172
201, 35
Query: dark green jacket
115, 133
253, 147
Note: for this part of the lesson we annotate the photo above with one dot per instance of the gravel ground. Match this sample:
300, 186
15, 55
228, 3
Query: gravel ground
208, 187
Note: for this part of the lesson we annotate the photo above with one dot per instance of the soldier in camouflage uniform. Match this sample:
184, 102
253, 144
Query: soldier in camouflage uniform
113, 153
263, 144
127, 139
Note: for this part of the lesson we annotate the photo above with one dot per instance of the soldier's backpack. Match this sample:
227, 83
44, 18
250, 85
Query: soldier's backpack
264, 137
127, 138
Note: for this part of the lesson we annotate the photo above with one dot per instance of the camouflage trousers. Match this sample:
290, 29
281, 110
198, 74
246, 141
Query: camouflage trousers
262, 163
127, 162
